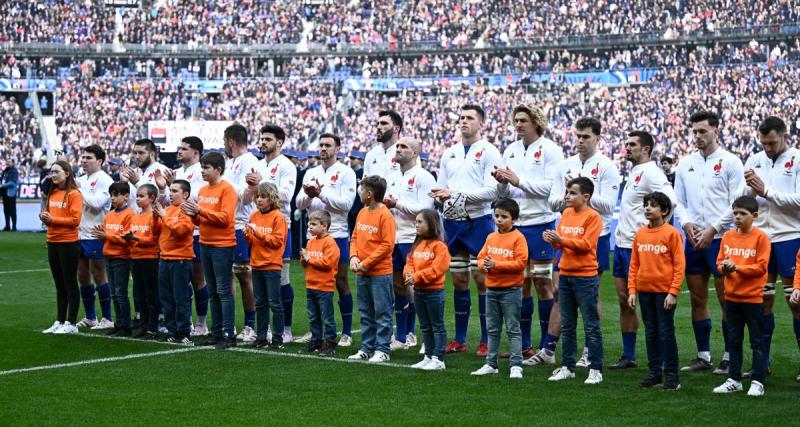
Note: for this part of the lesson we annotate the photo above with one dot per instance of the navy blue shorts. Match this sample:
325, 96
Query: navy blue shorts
538, 249
603, 254
469, 235
92, 249
622, 262
241, 253
782, 259
196, 247
704, 260
287, 252
399, 255
344, 249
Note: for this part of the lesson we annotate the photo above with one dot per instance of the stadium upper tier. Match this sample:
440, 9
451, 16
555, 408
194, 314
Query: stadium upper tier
395, 24
114, 112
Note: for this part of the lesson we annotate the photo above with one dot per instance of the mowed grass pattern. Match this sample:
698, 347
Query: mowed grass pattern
210, 387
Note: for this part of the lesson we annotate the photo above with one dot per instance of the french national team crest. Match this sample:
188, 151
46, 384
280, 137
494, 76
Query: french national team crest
637, 180
335, 178
595, 172
537, 156
478, 156
274, 171
411, 182
718, 168
788, 167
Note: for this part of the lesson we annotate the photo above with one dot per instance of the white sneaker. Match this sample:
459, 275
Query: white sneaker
422, 351
516, 372
434, 365
66, 328
397, 345
161, 330
86, 323
583, 362
542, 357
421, 364
345, 341
379, 357
560, 374
303, 339
756, 389
360, 355
103, 324
287, 337
247, 335
595, 377
269, 333
53, 328
485, 370
729, 386
411, 340
199, 330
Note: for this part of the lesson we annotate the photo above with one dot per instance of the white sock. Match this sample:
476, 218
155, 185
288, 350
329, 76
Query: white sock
705, 355
726, 356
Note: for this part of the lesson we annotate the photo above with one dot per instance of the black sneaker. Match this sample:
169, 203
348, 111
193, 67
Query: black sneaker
180, 340
652, 379
212, 340
329, 350
698, 364
225, 343
723, 368
258, 344
312, 347
147, 336
276, 344
671, 382
623, 363
136, 323
749, 373
113, 332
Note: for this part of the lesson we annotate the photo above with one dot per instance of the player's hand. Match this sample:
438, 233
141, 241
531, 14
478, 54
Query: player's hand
252, 178
169, 176
191, 208
488, 264
441, 194
98, 232
355, 264
670, 302
161, 181
45, 217
690, 230
499, 175
510, 176
159, 210
313, 190
795, 297
390, 202
551, 237
132, 175
632, 301
756, 184
704, 238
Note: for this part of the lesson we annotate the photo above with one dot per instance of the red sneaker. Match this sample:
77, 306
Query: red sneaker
456, 347
483, 350
526, 353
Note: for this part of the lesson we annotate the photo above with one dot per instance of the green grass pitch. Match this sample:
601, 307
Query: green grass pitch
148, 383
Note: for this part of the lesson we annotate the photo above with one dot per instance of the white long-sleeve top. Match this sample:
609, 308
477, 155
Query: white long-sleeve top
336, 196
411, 191
471, 175
778, 213
96, 202
605, 177
194, 175
236, 171
147, 176
643, 180
536, 167
282, 173
706, 187
381, 162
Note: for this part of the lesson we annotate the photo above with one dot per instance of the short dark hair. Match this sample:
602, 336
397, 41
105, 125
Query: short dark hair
668, 159
148, 145
659, 199
585, 185
376, 184
119, 187
97, 150
276, 130
772, 123
237, 133
334, 137
645, 139
397, 119
589, 123
150, 189
508, 205
476, 108
214, 159
194, 143
712, 118
186, 187
747, 203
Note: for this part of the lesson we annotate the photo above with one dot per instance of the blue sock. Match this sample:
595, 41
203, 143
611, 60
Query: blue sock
525, 320
482, 317
461, 304
250, 318
201, 301
702, 334
411, 322
629, 345
287, 297
87, 295
346, 308
725, 334
796, 323
550, 342
104, 294
768, 324
400, 315
545, 307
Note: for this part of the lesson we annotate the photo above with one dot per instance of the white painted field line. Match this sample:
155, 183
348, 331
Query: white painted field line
687, 291
102, 360
312, 357
24, 271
